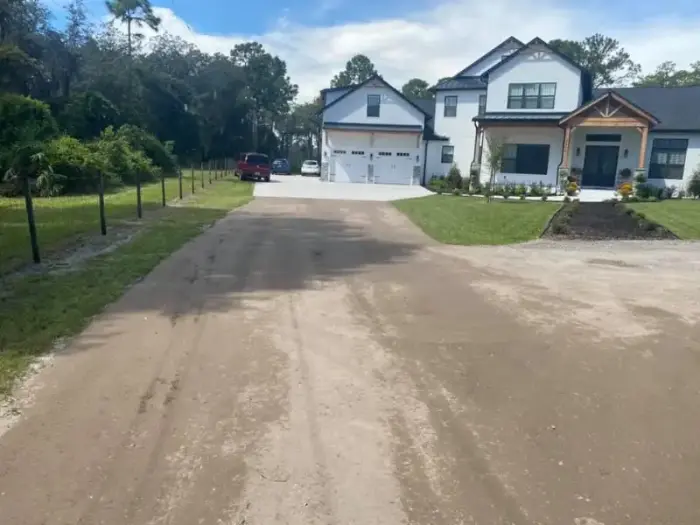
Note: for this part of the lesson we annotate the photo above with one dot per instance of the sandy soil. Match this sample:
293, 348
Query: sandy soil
320, 362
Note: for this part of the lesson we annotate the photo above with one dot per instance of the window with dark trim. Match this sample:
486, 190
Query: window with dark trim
373, 104
448, 154
531, 96
531, 159
450, 106
603, 137
482, 104
668, 158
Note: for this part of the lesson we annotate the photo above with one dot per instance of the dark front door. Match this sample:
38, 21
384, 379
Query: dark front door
600, 166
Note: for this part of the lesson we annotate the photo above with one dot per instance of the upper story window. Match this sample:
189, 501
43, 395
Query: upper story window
450, 106
482, 104
668, 158
373, 105
531, 96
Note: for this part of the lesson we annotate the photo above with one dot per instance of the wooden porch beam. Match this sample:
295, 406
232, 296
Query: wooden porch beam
643, 147
567, 143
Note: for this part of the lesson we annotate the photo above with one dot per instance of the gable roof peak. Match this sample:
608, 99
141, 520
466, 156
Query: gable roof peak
509, 40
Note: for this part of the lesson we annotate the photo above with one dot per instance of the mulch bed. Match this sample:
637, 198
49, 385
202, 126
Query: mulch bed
602, 221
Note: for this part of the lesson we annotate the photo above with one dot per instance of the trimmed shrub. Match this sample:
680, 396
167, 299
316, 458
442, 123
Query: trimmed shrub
149, 145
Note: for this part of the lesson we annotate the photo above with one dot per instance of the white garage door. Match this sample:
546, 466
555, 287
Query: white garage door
394, 166
350, 165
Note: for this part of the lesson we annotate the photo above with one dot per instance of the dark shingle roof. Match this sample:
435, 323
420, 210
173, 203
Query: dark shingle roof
678, 108
461, 83
427, 105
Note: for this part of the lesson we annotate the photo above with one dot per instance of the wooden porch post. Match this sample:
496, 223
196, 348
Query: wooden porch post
476, 144
567, 143
643, 147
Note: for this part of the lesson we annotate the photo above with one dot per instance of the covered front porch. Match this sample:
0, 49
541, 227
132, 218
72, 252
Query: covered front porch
605, 142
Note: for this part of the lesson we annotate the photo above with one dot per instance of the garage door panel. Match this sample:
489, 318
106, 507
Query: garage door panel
350, 165
394, 167
345, 140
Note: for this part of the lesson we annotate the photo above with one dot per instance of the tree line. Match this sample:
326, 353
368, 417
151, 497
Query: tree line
82, 98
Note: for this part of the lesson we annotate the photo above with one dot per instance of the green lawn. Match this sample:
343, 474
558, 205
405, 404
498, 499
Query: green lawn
682, 217
62, 220
465, 220
36, 310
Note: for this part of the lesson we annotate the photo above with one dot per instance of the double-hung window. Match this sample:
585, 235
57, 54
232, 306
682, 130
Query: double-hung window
450, 106
531, 96
668, 158
373, 105
531, 159
448, 154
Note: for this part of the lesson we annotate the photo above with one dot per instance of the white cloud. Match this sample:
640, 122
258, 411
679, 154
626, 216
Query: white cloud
442, 40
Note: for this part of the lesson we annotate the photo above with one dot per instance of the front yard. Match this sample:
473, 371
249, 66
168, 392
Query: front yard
472, 220
682, 217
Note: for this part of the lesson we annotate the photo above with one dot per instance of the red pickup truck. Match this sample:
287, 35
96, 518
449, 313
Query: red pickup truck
254, 166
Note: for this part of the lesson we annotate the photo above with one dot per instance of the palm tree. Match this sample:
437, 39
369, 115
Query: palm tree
133, 12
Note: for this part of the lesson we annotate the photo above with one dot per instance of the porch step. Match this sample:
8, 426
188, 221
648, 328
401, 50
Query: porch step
594, 195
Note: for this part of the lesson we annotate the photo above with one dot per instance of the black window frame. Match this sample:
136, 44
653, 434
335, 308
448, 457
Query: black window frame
482, 107
523, 98
667, 170
524, 160
371, 105
451, 106
450, 155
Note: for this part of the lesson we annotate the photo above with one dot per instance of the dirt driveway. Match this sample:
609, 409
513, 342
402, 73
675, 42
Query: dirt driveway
319, 362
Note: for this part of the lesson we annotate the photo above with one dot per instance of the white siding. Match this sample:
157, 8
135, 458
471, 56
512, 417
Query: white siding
490, 60
334, 95
535, 65
460, 129
394, 110
553, 136
434, 166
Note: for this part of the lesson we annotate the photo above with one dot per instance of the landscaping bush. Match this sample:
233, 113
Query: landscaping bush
520, 190
454, 178
474, 180
437, 184
537, 190
643, 190
75, 161
122, 162
160, 154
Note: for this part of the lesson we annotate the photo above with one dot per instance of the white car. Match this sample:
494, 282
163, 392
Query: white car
310, 167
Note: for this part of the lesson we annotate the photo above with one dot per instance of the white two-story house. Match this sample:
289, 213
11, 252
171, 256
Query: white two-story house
534, 103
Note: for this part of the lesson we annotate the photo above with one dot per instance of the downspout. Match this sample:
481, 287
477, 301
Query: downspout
425, 162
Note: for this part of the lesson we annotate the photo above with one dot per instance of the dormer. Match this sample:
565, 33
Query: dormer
536, 79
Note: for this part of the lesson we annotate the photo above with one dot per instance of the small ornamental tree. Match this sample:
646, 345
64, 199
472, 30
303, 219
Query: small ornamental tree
694, 184
494, 159
454, 178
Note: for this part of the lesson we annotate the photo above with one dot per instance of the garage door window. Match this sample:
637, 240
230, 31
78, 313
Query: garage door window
339, 152
448, 154
373, 105
358, 152
384, 153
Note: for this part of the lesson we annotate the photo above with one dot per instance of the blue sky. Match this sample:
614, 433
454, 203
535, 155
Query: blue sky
422, 38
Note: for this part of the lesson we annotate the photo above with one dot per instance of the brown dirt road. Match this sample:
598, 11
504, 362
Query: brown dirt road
320, 362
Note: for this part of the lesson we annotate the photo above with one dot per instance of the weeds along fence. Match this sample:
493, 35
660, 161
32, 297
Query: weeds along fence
31, 226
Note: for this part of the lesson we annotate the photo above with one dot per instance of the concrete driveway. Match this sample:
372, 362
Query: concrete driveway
315, 362
298, 187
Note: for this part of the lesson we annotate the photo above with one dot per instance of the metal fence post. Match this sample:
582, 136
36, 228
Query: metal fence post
139, 207
162, 187
202, 175
179, 182
101, 202
29, 205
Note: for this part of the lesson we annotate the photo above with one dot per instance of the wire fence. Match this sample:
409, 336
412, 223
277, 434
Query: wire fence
31, 227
